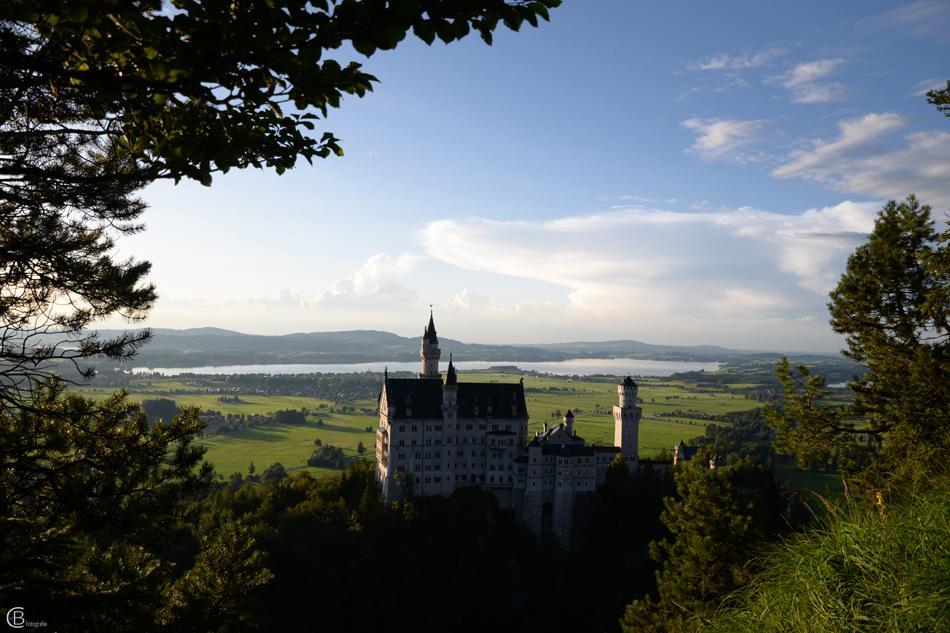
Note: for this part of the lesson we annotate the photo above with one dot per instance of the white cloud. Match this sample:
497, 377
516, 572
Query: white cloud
819, 93
721, 138
855, 133
810, 72
667, 275
378, 275
802, 80
742, 61
856, 162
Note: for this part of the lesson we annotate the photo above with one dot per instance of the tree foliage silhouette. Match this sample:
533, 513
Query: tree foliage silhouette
99, 99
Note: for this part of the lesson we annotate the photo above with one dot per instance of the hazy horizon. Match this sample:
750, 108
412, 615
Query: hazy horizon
443, 335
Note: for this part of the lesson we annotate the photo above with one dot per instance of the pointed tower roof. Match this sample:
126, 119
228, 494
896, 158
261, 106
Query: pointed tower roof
569, 414
450, 377
429, 333
628, 382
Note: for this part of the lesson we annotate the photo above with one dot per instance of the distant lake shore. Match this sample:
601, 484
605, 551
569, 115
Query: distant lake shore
576, 366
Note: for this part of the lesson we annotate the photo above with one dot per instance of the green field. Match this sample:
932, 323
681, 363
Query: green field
591, 400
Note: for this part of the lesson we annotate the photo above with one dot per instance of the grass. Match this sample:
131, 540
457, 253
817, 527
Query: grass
865, 569
593, 400
289, 444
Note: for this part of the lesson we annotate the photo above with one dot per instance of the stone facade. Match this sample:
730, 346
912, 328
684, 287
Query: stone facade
436, 435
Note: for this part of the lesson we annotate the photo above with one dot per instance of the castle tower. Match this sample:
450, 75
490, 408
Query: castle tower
627, 421
449, 425
429, 352
450, 389
569, 422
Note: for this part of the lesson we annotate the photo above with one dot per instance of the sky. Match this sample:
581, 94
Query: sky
672, 172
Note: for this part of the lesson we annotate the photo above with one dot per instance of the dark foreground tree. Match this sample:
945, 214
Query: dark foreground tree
717, 519
813, 431
99, 99
89, 497
893, 306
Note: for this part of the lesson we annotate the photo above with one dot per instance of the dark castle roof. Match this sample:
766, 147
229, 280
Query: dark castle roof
628, 382
423, 397
450, 376
429, 333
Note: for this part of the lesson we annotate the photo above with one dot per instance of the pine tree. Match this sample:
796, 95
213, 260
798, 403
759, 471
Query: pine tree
893, 306
713, 526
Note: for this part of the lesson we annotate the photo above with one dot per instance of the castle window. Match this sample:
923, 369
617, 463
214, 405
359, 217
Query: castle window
414, 429
402, 427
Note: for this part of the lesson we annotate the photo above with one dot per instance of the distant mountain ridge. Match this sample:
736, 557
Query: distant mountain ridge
216, 346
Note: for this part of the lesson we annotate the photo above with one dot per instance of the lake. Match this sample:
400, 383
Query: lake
576, 366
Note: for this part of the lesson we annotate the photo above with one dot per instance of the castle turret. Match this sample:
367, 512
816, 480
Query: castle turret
569, 422
429, 352
450, 387
627, 421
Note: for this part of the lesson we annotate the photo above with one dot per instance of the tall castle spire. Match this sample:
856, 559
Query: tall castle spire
429, 352
429, 333
451, 378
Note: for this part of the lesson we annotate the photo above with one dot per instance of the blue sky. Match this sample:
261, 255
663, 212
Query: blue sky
678, 172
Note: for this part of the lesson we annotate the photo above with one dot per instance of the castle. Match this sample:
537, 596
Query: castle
437, 434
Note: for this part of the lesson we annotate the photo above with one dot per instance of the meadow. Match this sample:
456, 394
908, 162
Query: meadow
672, 411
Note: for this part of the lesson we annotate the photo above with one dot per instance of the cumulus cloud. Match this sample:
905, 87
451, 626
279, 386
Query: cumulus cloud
379, 275
857, 161
804, 81
668, 272
722, 138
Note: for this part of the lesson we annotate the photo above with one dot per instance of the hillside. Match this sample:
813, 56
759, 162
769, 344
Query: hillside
215, 346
